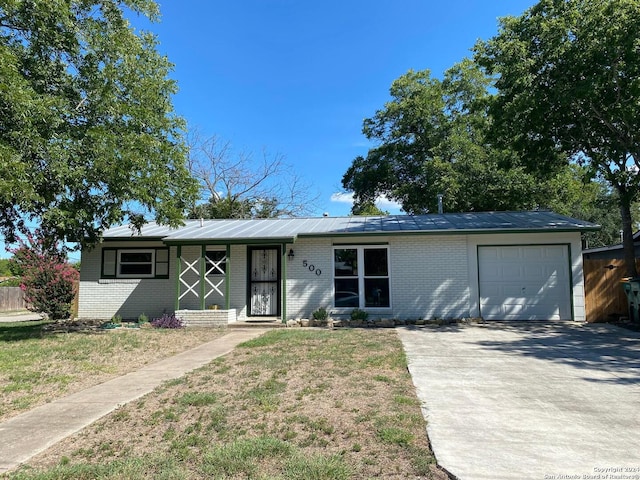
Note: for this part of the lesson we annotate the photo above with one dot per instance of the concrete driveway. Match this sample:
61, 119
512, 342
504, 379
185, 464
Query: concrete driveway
530, 400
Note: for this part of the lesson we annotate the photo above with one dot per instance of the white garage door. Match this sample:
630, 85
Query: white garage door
529, 282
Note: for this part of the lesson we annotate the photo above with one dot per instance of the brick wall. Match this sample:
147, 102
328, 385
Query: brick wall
104, 298
206, 318
428, 277
309, 287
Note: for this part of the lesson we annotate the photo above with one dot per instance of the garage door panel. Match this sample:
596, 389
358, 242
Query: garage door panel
509, 254
524, 282
555, 252
533, 253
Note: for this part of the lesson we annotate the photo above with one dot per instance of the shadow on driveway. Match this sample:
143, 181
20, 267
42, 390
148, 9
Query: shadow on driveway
528, 400
587, 347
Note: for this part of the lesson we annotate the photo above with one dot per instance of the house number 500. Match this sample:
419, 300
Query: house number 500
311, 267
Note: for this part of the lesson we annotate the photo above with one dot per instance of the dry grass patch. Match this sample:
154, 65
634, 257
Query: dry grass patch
37, 367
290, 404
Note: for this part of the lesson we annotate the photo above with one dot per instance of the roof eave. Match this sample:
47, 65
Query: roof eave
475, 231
229, 241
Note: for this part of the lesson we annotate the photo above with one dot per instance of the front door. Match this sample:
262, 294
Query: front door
264, 283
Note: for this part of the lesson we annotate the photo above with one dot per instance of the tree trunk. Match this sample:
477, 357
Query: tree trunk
627, 239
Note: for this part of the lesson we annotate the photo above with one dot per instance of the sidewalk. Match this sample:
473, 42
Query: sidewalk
19, 316
32, 432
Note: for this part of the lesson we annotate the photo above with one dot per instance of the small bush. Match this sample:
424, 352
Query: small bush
142, 318
168, 321
320, 314
47, 279
357, 314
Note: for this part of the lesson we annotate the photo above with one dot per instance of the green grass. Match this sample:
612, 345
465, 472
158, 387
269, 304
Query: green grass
314, 404
37, 365
241, 456
198, 399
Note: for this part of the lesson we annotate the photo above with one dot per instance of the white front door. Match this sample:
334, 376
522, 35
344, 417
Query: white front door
529, 282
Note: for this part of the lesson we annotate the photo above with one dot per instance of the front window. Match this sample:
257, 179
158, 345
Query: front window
361, 287
135, 263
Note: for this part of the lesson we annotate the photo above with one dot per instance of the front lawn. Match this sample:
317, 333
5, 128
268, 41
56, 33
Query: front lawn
37, 366
291, 404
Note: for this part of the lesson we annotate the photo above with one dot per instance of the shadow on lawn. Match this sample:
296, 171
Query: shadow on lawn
16, 331
583, 346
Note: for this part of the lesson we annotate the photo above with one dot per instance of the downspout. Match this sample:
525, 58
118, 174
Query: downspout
203, 270
178, 273
284, 283
227, 280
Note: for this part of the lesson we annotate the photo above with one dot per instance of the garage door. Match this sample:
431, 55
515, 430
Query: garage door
524, 282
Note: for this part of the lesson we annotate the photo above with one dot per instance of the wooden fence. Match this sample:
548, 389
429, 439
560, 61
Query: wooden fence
604, 297
11, 298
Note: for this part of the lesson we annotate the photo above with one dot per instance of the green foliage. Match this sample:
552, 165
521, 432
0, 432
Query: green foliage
142, 318
237, 208
359, 314
432, 140
47, 279
368, 208
567, 75
88, 137
320, 314
5, 269
576, 195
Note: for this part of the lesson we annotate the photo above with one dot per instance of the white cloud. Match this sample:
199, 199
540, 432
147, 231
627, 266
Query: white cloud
342, 198
382, 202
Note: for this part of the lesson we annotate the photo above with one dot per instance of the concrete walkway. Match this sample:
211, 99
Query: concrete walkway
530, 400
19, 316
34, 431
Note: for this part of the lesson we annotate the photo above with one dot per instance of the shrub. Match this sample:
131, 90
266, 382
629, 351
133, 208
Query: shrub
320, 314
142, 318
47, 279
358, 314
167, 321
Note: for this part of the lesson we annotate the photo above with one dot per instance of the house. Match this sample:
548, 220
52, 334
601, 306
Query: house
495, 265
612, 252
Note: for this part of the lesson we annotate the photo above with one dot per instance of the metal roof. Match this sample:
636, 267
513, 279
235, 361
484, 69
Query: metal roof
288, 229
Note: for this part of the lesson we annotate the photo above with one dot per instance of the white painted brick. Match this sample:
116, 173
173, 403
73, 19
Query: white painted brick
207, 318
430, 276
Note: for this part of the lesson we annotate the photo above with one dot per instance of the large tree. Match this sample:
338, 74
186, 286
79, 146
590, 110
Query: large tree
88, 136
237, 184
567, 74
431, 139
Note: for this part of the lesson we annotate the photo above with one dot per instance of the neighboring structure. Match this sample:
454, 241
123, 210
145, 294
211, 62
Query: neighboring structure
612, 252
604, 269
495, 265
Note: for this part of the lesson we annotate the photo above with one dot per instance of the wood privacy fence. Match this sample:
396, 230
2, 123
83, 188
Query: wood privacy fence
604, 297
11, 298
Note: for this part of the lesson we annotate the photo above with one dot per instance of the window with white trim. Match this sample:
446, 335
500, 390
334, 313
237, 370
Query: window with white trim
361, 277
135, 263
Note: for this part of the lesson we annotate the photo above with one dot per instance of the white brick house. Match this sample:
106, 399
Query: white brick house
495, 265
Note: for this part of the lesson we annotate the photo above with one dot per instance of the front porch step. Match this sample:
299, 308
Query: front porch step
276, 323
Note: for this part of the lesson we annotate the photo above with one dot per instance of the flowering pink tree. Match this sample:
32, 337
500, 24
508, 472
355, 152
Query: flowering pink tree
47, 279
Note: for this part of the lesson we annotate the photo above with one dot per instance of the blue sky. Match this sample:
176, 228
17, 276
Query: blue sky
297, 77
